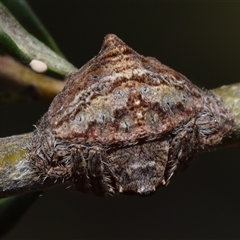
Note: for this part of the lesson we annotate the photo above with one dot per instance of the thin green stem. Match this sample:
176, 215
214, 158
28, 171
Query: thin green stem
17, 42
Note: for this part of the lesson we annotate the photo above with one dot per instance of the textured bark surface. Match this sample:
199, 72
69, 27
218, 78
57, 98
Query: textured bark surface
124, 123
15, 172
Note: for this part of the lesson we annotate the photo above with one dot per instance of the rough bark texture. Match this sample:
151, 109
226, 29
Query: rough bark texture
15, 171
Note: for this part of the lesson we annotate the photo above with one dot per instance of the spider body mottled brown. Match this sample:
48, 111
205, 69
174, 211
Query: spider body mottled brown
125, 123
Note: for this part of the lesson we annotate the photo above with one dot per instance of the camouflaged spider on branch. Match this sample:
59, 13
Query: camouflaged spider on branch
125, 123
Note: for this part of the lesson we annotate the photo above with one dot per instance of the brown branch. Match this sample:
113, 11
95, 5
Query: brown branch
16, 174
230, 94
12, 72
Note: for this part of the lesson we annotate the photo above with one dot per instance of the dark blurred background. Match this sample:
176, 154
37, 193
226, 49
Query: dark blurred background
199, 39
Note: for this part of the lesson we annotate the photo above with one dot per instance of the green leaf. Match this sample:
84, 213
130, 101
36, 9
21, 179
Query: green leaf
17, 42
28, 19
13, 208
9, 46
